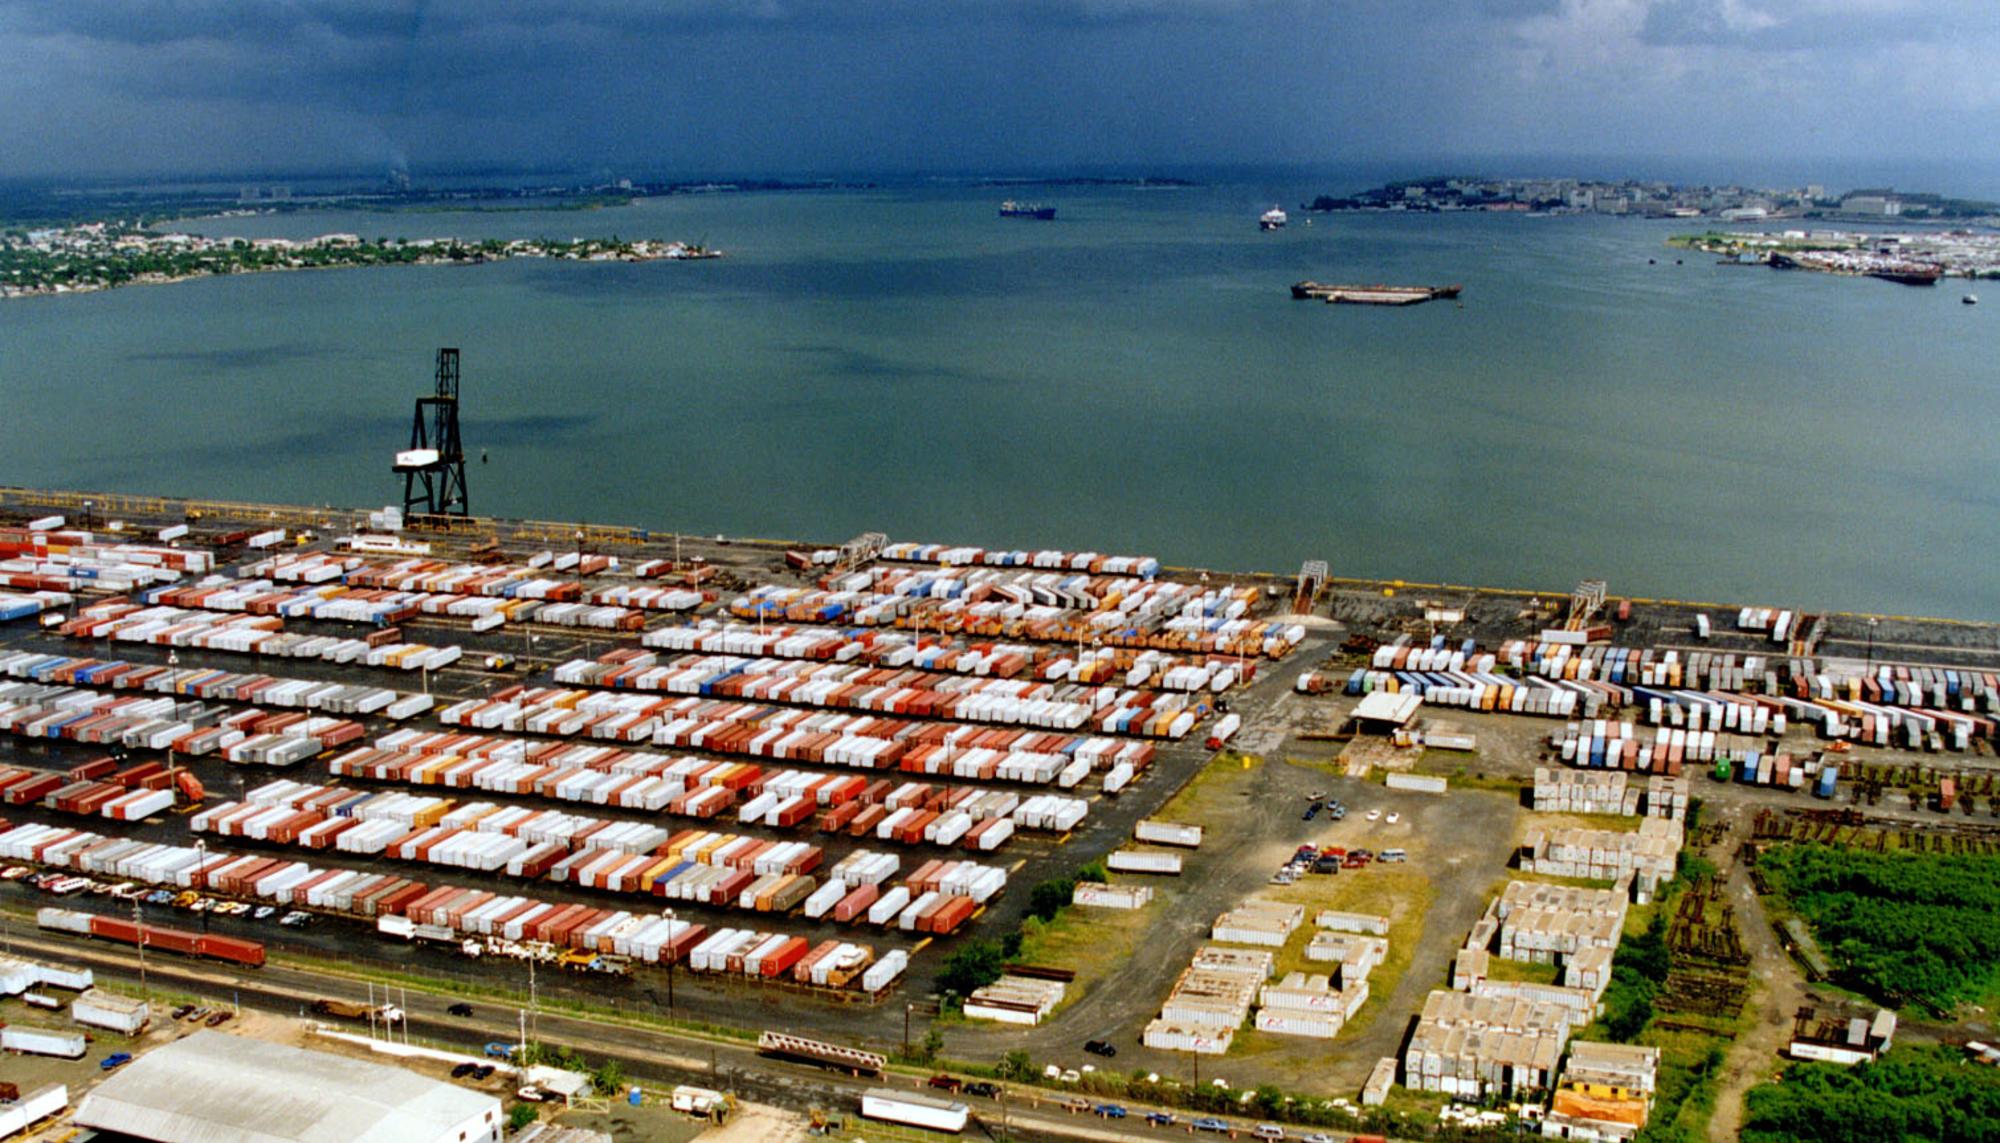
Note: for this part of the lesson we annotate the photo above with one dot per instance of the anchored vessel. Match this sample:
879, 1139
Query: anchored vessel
1372, 295
1012, 209
1272, 219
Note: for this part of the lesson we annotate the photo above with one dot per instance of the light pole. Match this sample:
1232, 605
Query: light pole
201, 859
1871, 643
673, 955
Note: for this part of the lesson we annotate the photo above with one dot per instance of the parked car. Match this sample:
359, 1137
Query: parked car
13, 873
263, 912
460, 1009
462, 1070
1316, 1137
500, 1051
1209, 1123
1375, 815
220, 1018
944, 1082
114, 1060
1161, 1118
482, 1071
1312, 811
1394, 817
983, 1090
198, 1015
1101, 1048
1110, 1111
1267, 1131
182, 1011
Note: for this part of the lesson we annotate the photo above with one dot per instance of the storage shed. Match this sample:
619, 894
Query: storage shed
214, 1087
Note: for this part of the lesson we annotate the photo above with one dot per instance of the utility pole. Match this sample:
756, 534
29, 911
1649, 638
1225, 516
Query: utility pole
139, 932
672, 956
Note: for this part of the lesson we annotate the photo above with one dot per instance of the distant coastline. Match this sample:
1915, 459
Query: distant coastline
102, 256
1656, 199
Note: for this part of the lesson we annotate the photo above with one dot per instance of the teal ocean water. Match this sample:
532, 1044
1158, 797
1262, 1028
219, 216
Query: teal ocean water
1131, 377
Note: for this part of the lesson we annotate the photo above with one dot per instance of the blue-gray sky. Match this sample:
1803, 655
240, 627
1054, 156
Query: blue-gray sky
783, 86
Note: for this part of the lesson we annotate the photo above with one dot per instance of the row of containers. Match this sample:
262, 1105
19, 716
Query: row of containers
27, 605
704, 867
1548, 698
352, 589
1159, 616
1932, 727
213, 684
131, 795
857, 741
958, 555
50, 559
212, 946
1622, 746
890, 690
906, 812
652, 938
248, 635
248, 736
997, 659
1947, 689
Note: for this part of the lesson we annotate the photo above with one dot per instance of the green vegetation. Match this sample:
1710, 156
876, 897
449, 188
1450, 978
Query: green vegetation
94, 258
1899, 928
522, 1115
1637, 972
976, 964
1911, 1094
1690, 1058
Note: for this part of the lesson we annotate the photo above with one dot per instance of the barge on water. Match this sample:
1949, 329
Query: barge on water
1372, 295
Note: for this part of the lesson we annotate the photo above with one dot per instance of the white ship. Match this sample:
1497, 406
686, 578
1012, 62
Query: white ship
1272, 219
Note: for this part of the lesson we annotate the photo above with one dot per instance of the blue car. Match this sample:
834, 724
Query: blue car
1160, 1118
114, 1060
1110, 1111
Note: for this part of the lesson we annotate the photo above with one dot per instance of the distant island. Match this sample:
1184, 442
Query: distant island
1652, 199
102, 256
1087, 181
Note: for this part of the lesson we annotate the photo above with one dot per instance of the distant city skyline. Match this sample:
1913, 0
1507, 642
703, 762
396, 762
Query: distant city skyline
96, 88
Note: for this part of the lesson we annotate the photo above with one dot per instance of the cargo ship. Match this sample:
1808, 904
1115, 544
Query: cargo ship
1272, 219
1371, 295
1012, 209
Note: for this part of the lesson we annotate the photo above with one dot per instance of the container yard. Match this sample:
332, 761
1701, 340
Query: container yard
700, 776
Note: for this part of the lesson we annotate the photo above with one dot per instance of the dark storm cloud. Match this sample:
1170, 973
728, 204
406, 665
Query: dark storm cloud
786, 86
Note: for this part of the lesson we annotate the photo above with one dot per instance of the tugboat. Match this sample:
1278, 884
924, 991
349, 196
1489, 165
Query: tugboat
1969, 300
1272, 219
1012, 209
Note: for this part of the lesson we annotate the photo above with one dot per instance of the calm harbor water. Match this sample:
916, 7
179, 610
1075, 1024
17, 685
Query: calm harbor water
1131, 377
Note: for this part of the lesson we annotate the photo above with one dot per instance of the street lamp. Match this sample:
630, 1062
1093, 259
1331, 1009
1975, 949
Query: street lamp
1871, 643
201, 859
672, 956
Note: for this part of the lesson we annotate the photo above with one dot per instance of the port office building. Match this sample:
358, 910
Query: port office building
214, 1087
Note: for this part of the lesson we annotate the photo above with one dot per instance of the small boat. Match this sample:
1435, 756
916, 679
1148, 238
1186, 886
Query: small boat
1970, 300
1272, 219
1012, 209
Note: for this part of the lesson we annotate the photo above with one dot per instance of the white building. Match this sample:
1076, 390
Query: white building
213, 1087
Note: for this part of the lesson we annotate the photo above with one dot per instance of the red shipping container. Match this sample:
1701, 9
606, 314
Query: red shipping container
231, 949
856, 903
784, 958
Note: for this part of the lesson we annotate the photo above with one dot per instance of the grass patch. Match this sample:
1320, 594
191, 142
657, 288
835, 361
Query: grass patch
1522, 972
1402, 895
1090, 942
1212, 788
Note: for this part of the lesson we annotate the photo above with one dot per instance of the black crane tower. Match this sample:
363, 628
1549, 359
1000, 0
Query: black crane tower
433, 467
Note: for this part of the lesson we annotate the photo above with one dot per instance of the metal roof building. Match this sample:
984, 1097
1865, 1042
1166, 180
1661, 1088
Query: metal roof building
213, 1087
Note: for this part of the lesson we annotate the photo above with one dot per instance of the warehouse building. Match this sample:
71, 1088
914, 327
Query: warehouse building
213, 1087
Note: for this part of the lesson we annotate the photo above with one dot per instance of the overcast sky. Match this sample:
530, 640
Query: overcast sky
785, 87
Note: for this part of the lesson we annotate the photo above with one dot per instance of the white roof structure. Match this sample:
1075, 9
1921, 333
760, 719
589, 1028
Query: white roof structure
214, 1087
1382, 706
